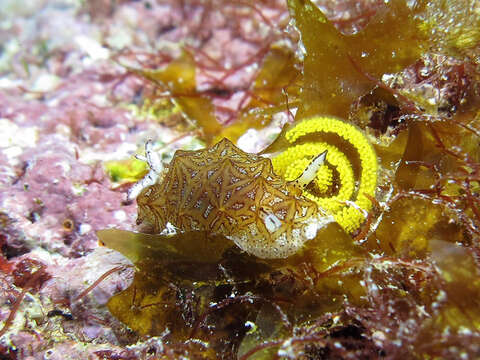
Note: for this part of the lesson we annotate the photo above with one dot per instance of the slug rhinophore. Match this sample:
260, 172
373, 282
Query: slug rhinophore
224, 190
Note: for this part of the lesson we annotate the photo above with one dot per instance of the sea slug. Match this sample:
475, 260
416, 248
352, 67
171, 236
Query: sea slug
268, 210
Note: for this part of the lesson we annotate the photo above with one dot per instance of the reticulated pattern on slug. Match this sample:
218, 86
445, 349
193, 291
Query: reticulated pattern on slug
226, 191
345, 182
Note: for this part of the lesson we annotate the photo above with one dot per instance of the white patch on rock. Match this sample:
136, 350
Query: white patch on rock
84, 228
65, 165
92, 47
46, 83
11, 143
120, 215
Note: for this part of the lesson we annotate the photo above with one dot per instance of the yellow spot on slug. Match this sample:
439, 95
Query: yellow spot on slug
339, 187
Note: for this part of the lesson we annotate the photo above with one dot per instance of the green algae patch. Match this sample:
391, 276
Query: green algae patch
461, 311
339, 68
167, 267
203, 287
277, 80
460, 24
191, 246
125, 170
179, 79
455, 309
408, 225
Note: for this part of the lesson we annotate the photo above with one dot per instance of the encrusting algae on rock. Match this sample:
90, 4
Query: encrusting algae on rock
225, 191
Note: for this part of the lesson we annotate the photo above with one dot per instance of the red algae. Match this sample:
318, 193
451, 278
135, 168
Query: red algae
403, 285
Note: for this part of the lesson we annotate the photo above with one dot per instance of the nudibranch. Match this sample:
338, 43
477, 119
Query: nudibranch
345, 184
268, 210
227, 191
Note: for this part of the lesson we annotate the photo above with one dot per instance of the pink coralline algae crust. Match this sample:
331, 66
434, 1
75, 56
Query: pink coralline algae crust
53, 187
61, 117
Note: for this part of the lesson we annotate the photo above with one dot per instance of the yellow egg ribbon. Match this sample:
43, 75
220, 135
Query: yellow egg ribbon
335, 188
